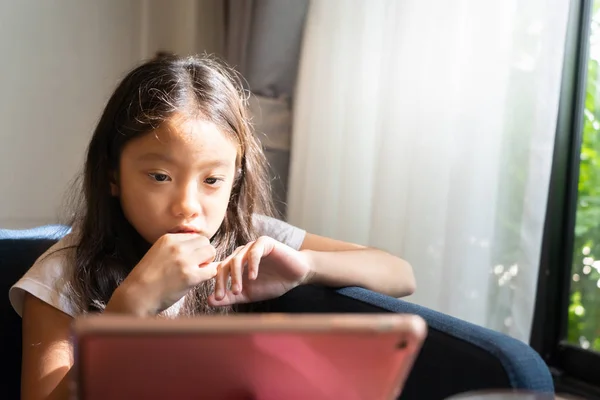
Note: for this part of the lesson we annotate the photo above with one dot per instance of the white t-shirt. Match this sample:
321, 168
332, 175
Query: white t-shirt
48, 278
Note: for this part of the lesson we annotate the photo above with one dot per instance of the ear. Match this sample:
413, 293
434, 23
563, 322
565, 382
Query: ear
114, 187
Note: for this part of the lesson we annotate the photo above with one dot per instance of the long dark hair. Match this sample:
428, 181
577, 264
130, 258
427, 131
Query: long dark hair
108, 246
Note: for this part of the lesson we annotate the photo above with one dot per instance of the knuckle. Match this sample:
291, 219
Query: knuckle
256, 255
263, 239
166, 239
175, 250
179, 264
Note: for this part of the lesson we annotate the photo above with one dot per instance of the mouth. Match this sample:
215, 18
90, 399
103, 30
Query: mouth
186, 229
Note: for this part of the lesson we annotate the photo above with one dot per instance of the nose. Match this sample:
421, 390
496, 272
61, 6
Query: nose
187, 201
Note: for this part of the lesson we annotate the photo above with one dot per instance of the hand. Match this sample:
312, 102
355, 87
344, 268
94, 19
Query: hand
281, 269
173, 265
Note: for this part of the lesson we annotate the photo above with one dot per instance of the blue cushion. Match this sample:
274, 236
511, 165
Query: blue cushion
18, 251
52, 232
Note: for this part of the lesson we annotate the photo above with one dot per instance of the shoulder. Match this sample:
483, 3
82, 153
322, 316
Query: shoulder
48, 278
279, 230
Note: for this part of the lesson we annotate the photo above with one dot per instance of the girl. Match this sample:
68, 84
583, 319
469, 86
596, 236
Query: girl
176, 219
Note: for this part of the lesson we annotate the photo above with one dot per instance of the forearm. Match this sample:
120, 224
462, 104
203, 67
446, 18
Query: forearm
63, 390
125, 300
369, 268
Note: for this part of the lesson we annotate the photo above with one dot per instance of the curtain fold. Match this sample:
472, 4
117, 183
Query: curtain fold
263, 43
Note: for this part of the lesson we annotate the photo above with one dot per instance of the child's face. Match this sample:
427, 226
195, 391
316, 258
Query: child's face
177, 178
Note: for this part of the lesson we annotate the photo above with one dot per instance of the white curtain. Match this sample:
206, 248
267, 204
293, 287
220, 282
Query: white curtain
426, 129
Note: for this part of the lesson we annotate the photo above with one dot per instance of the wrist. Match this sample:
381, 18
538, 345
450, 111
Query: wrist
311, 277
127, 299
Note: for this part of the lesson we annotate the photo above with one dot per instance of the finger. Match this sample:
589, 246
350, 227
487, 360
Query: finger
228, 299
194, 240
221, 281
233, 254
184, 237
223, 274
255, 255
207, 271
204, 254
236, 268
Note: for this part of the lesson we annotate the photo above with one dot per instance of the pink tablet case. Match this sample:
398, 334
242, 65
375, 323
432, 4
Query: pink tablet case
254, 365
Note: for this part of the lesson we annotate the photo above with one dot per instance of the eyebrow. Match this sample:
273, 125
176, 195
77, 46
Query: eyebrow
213, 163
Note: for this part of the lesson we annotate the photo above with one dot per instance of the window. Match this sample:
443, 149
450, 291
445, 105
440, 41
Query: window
566, 328
583, 328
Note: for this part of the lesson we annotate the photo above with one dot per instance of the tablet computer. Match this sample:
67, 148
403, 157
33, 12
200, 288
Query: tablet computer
246, 356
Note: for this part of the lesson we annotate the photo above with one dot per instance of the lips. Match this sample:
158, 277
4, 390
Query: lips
185, 229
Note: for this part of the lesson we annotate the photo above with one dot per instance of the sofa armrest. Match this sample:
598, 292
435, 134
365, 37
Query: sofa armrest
456, 357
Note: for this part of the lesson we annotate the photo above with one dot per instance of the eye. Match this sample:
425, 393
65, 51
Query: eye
212, 181
159, 177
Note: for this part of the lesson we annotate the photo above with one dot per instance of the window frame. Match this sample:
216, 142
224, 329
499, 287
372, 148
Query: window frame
574, 370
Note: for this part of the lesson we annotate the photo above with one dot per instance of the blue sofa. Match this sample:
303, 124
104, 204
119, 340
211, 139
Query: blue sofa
456, 357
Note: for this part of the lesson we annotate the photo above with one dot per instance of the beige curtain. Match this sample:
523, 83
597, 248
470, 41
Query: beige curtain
426, 129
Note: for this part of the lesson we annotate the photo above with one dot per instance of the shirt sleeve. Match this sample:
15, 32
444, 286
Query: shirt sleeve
47, 279
279, 230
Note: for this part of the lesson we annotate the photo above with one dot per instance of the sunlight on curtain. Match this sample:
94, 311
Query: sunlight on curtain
427, 130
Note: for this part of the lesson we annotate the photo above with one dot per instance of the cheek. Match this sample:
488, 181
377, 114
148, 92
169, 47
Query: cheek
128, 189
135, 198
217, 205
220, 201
